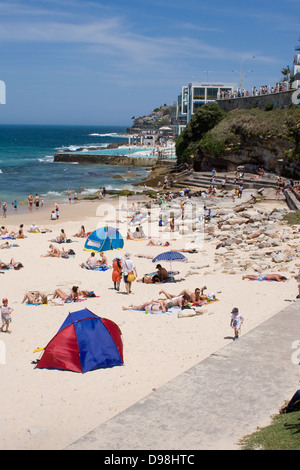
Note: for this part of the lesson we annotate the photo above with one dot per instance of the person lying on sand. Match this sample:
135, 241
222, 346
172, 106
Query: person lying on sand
161, 305
12, 264
180, 301
73, 296
4, 245
151, 306
265, 277
160, 276
188, 250
195, 296
35, 298
152, 242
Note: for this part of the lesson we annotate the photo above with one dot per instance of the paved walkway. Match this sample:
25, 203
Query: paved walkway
215, 403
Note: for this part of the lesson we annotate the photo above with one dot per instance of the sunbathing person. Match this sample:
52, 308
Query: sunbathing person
265, 277
34, 228
188, 250
195, 296
152, 242
20, 233
12, 264
61, 238
103, 260
54, 252
35, 298
3, 231
81, 233
4, 245
73, 296
91, 262
151, 306
180, 301
130, 235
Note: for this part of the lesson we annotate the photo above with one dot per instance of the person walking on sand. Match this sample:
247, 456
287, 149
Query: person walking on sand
117, 272
6, 312
236, 322
128, 266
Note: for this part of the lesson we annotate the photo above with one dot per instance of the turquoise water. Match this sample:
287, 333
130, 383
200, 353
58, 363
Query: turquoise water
27, 161
124, 151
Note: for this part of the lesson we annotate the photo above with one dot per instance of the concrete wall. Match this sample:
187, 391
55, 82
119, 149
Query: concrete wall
281, 99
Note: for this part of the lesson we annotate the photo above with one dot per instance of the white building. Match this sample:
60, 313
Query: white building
296, 83
198, 94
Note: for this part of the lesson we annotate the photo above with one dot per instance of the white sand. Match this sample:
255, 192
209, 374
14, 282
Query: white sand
50, 409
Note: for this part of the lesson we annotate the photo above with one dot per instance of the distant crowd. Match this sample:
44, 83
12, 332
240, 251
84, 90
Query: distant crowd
263, 90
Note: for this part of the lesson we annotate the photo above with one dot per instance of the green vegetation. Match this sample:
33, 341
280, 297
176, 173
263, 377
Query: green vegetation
213, 131
282, 434
158, 118
293, 218
205, 119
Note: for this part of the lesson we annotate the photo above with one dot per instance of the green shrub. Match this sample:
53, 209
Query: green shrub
269, 106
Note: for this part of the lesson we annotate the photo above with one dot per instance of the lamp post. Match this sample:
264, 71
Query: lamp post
241, 71
207, 72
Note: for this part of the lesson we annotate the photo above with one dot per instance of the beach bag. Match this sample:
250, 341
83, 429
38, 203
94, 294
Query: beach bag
131, 277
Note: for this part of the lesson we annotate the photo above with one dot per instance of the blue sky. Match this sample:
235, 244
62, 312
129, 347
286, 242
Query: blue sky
101, 62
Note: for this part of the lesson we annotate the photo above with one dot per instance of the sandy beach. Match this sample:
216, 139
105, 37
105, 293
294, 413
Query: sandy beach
50, 409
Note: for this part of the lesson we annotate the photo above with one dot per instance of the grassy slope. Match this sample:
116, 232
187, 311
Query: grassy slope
240, 126
282, 434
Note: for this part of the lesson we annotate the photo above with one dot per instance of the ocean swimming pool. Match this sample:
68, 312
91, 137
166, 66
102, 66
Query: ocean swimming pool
131, 151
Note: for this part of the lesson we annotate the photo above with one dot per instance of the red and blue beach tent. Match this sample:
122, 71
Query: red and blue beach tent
83, 343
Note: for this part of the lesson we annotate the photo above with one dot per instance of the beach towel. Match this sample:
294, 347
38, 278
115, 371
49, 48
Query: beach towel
60, 301
268, 280
37, 305
204, 302
60, 243
170, 311
98, 268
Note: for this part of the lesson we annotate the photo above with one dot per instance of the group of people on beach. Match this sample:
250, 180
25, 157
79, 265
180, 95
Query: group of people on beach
41, 298
36, 201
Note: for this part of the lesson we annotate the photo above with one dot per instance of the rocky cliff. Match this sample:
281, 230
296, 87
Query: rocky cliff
252, 138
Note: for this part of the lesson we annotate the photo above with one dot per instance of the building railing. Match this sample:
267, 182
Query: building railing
263, 90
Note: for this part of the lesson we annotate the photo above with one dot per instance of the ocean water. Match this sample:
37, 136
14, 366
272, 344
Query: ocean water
27, 162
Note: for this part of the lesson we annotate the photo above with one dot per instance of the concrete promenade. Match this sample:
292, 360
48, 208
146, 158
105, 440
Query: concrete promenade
214, 404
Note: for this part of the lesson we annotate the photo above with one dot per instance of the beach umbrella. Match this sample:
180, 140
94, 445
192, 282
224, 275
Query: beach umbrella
138, 219
170, 256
